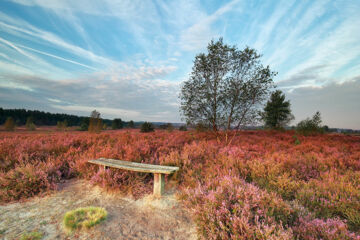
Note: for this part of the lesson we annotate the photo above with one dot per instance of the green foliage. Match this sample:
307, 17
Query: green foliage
326, 128
84, 218
131, 124
10, 124
201, 127
30, 125
32, 236
277, 112
62, 125
297, 141
41, 118
226, 87
117, 123
84, 126
183, 128
167, 126
147, 127
310, 126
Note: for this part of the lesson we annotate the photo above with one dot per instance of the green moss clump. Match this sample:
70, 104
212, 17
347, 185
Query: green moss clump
32, 236
84, 218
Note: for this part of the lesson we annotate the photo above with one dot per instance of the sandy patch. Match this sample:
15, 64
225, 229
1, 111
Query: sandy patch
145, 218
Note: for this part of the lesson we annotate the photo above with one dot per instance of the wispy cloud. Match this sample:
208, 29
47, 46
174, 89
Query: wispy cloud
131, 55
198, 35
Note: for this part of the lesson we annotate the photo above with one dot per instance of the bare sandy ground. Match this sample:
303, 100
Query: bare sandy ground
145, 218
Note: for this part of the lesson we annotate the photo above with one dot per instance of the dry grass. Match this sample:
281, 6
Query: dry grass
84, 218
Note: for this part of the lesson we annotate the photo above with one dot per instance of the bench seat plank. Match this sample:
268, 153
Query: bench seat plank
132, 166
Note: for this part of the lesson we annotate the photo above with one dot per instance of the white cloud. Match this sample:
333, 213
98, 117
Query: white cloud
198, 35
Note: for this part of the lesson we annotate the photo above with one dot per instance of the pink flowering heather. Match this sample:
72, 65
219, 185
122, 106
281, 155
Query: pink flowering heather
263, 185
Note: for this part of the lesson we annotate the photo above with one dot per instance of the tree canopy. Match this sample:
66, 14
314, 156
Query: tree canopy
226, 87
277, 112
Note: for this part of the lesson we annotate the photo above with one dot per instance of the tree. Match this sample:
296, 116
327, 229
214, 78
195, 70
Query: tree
167, 126
225, 88
30, 125
10, 124
131, 124
117, 123
95, 122
277, 112
310, 126
84, 126
147, 127
62, 125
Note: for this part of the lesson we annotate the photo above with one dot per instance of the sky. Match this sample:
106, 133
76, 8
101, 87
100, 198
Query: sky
127, 59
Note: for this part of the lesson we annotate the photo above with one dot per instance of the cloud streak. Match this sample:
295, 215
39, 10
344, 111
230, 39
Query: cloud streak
124, 56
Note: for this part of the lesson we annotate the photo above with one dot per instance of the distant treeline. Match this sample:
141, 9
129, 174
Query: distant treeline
40, 118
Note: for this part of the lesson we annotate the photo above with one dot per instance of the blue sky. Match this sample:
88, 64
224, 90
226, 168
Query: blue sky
128, 58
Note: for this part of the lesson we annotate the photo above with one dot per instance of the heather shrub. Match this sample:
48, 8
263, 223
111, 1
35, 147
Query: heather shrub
334, 195
329, 229
132, 183
23, 182
230, 208
271, 176
318, 178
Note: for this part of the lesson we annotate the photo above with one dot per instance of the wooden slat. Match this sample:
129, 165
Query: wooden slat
132, 166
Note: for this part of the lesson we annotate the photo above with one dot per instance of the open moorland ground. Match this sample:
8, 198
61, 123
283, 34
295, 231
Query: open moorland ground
262, 185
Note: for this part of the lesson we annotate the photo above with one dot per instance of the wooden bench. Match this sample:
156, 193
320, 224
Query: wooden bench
157, 170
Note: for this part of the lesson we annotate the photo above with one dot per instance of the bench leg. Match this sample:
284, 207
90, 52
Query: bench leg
159, 184
106, 167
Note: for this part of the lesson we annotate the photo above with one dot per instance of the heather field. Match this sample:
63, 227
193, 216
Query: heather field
264, 185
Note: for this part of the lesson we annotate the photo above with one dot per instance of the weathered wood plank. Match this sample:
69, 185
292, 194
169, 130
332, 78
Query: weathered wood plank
159, 184
132, 166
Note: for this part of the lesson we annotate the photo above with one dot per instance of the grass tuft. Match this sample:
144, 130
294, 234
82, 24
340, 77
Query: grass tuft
32, 236
84, 218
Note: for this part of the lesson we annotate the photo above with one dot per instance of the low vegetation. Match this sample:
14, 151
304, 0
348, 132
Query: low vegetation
263, 185
147, 127
9, 124
84, 218
32, 236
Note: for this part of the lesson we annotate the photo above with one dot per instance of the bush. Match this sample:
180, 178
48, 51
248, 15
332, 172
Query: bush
310, 126
334, 195
84, 126
330, 229
147, 127
183, 128
117, 123
62, 125
201, 127
30, 125
228, 208
10, 124
24, 182
84, 218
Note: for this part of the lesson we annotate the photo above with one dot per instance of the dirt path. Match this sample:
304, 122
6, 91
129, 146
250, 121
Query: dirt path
145, 218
